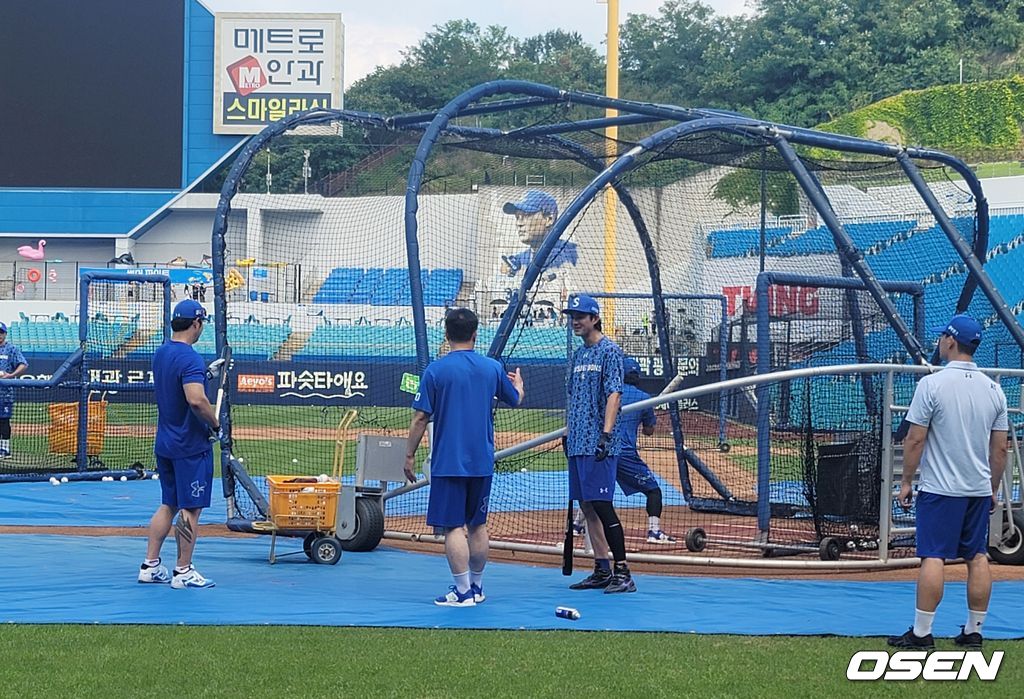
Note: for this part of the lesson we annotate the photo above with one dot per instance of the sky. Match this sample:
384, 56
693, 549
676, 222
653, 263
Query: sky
376, 31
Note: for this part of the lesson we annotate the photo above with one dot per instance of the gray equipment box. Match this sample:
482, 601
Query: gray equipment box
380, 459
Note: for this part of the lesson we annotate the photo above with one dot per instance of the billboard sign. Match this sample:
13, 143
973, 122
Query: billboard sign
270, 65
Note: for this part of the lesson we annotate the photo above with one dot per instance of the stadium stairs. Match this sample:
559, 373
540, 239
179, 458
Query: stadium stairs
295, 342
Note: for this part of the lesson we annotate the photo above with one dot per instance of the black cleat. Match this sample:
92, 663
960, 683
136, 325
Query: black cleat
595, 581
620, 582
968, 640
909, 640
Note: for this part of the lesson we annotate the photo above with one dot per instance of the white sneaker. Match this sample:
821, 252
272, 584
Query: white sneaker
156, 574
659, 537
478, 593
190, 578
453, 599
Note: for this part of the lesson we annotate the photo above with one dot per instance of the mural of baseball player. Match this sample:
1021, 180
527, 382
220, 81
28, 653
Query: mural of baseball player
535, 214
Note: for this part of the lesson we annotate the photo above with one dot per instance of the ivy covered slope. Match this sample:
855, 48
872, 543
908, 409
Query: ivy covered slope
986, 116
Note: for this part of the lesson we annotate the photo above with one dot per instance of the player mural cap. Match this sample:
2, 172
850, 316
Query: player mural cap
961, 328
534, 201
190, 310
630, 366
581, 303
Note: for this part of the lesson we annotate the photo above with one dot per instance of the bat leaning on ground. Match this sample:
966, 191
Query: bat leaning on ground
567, 544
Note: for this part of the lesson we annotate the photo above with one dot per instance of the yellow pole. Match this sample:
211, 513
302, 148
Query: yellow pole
611, 134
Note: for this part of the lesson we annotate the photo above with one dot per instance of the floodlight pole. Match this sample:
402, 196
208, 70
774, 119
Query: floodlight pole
611, 138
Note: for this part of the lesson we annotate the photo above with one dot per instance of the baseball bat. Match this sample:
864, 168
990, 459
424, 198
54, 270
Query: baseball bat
221, 388
567, 544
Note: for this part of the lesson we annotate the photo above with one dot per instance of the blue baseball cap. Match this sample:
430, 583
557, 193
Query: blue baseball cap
630, 366
3, 327
961, 328
581, 303
534, 201
190, 310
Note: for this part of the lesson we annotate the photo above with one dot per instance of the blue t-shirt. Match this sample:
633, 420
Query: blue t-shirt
565, 252
629, 423
458, 391
10, 359
179, 432
595, 373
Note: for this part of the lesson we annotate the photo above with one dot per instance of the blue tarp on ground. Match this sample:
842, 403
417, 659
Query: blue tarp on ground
131, 503
57, 579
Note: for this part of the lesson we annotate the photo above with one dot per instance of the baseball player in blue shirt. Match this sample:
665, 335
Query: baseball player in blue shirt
12, 365
184, 455
458, 392
592, 445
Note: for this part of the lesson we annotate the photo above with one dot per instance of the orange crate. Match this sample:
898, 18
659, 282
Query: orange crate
303, 505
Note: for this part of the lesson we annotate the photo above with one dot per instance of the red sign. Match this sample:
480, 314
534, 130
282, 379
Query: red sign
782, 300
247, 75
256, 383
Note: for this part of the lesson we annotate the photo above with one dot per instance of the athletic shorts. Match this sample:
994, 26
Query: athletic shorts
457, 501
7, 408
186, 483
591, 480
952, 527
633, 475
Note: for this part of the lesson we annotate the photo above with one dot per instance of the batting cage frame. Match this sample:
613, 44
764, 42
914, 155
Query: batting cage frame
76, 422
659, 142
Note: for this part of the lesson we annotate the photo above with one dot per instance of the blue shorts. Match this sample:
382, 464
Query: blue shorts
456, 501
591, 480
7, 408
634, 476
186, 483
952, 527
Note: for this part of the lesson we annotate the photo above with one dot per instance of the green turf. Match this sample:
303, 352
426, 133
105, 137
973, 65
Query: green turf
123, 661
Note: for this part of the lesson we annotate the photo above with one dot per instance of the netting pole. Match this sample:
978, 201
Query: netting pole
764, 204
764, 443
974, 267
847, 250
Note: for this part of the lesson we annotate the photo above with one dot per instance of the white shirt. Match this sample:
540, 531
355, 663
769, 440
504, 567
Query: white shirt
961, 407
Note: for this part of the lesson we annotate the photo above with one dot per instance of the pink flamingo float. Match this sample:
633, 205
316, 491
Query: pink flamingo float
31, 253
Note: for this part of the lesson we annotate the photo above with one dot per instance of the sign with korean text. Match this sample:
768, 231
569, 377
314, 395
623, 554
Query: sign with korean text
270, 65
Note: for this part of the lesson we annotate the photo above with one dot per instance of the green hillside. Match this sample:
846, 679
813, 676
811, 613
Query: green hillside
981, 119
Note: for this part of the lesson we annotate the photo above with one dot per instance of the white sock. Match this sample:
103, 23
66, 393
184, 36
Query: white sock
151, 562
461, 582
654, 523
476, 577
179, 570
923, 623
974, 621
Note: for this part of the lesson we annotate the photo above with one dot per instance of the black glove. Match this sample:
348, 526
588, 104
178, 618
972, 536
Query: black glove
602, 446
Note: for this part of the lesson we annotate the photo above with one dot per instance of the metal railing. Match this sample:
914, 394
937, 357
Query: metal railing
887, 527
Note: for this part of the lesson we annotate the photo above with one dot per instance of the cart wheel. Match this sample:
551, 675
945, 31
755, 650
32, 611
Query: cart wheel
724, 447
696, 540
1010, 550
326, 550
307, 543
829, 549
369, 526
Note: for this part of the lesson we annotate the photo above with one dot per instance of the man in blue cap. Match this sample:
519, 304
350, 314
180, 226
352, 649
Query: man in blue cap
592, 446
957, 435
535, 214
184, 454
12, 365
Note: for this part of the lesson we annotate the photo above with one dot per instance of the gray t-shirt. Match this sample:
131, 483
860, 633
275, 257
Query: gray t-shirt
961, 407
